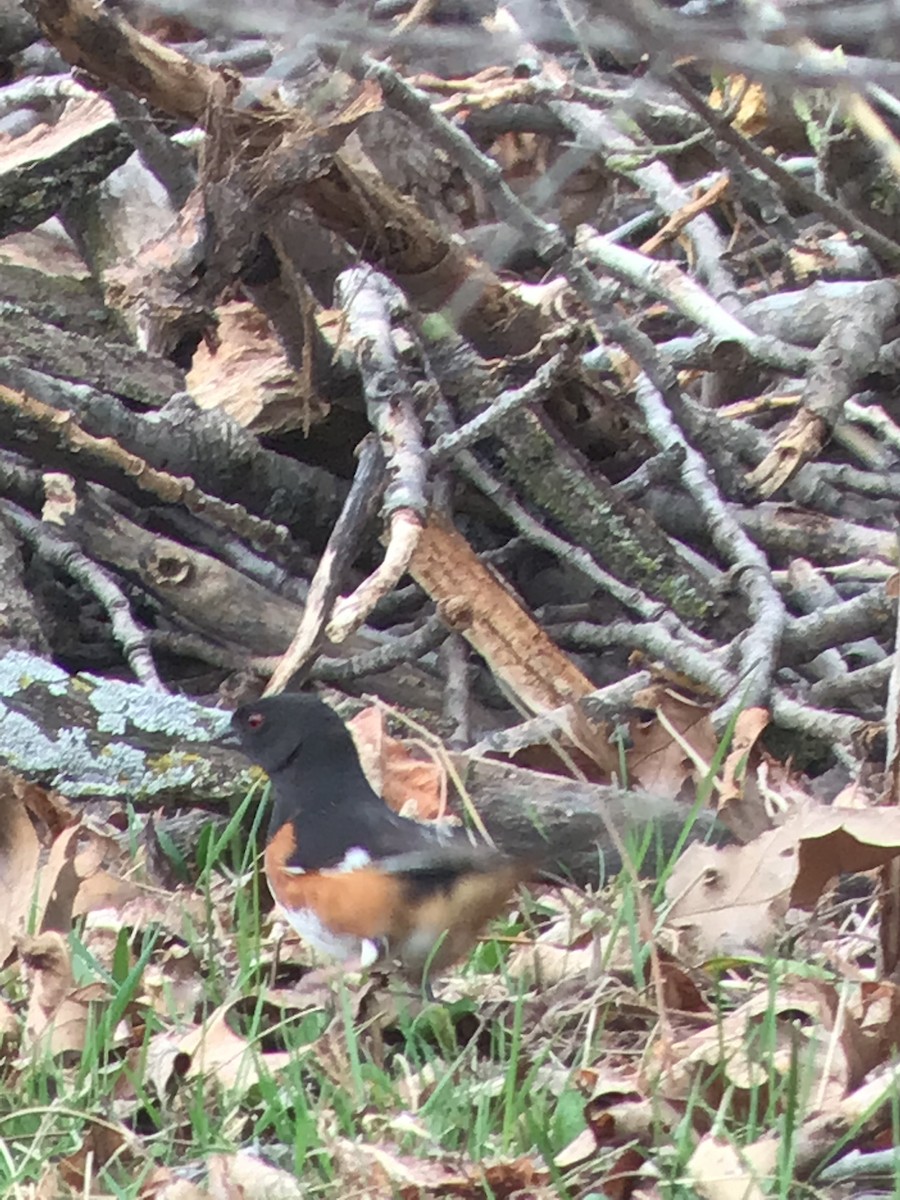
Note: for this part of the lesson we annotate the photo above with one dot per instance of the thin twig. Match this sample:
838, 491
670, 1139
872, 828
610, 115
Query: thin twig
343, 545
135, 642
535, 391
367, 299
885, 248
409, 648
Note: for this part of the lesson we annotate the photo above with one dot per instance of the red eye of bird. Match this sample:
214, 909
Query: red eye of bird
256, 721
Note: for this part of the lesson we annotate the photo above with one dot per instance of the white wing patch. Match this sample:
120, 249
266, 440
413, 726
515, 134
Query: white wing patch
355, 858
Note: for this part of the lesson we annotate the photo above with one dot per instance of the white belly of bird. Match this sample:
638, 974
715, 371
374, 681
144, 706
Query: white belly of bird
342, 946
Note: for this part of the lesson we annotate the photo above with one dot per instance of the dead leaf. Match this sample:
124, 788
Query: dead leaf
761, 1042
101, 1143
833, 841
739, 807
680, 991
718, 1171
48, 1187
9, 1024
75, 879
216, 1050
165, 1184
620, 1112
382, 1171
51, 809
179, 913
752, 114
408, 784
174, 983
368, 732
548, 962
623, 1118
245, 1176
656, 760
580, 1150
59, 883
58, 1012
563, 950
732, 899
155, 1069
103, 891
19, 856
621, 1124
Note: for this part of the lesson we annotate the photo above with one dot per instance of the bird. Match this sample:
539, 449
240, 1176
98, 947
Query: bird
357, 881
